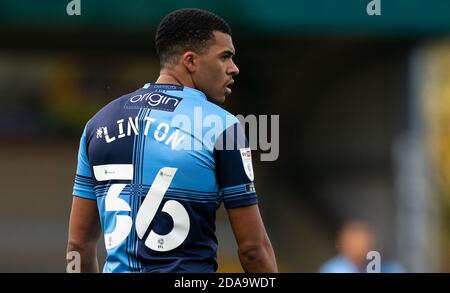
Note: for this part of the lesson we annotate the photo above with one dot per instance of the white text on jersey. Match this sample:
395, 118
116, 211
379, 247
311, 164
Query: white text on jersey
160, 133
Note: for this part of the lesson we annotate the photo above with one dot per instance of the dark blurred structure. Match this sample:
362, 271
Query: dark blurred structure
361, 101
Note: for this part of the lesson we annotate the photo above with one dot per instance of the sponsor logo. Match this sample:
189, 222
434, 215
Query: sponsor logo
109, 172
161, 243
246, 153
166, 87
246, 156
153, 100
250, 187
161, 173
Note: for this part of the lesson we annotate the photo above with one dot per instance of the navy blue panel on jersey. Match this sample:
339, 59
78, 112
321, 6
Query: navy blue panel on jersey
234, 168
151, 161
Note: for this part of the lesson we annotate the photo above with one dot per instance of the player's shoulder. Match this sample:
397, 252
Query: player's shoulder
112, 109
211, 109
338, 264
214, 108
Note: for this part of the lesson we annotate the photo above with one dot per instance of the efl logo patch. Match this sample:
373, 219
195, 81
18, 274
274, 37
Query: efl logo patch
153, 100
250, 187
246, 156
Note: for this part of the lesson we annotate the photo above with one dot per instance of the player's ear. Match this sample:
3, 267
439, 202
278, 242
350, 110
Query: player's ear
189, 61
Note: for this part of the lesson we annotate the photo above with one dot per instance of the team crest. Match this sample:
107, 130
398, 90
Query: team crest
246, 156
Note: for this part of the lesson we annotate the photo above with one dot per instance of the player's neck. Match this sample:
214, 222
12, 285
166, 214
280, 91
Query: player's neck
171, 77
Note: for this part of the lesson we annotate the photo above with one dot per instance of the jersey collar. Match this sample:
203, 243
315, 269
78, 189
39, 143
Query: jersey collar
174, 87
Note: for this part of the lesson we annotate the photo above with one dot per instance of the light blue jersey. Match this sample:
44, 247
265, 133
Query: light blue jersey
159, 162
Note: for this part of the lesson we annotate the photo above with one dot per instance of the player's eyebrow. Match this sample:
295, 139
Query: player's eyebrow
228, 52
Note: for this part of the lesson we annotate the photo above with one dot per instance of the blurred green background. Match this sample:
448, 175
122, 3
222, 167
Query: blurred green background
364, 119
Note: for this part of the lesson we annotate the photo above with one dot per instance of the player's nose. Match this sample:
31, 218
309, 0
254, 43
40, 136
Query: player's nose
234, 70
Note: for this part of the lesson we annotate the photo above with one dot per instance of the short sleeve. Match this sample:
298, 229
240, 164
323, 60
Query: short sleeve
84, 183
234, 168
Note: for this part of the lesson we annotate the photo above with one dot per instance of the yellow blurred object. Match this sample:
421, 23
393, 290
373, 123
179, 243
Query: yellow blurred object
436, 100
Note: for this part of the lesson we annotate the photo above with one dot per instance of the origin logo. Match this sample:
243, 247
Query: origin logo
153, 100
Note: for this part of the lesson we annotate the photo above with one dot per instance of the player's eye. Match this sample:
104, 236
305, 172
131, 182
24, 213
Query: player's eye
226, 56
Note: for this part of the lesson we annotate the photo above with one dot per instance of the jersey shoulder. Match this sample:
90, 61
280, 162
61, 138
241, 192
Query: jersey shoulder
113, 108
215, 111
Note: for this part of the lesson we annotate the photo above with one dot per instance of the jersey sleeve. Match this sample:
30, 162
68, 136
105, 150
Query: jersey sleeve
234, 168
84, 183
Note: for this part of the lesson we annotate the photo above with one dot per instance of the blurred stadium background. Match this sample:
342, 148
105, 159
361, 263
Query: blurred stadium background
364, 105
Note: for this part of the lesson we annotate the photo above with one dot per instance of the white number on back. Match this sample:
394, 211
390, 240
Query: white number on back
147, 210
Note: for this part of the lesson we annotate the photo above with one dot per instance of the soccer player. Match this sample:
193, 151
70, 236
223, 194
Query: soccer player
355, 240
155, 165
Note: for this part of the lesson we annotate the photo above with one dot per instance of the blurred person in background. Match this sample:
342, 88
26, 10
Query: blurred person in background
355, 240
155, 200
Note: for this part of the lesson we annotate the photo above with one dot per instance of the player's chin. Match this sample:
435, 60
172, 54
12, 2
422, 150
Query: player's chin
220, 98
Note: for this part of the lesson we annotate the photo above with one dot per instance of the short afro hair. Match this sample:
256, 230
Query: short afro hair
186, 29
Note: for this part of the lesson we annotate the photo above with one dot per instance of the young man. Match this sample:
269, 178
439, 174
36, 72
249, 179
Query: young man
355, 240
151, 178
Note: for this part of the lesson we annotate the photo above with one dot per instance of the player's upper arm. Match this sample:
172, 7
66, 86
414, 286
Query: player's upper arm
247, 225
84, 232
235, 178
84, 224
254, 248
84, 182
234, 168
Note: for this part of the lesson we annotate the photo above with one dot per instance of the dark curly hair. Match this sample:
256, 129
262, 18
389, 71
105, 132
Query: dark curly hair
184, 30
